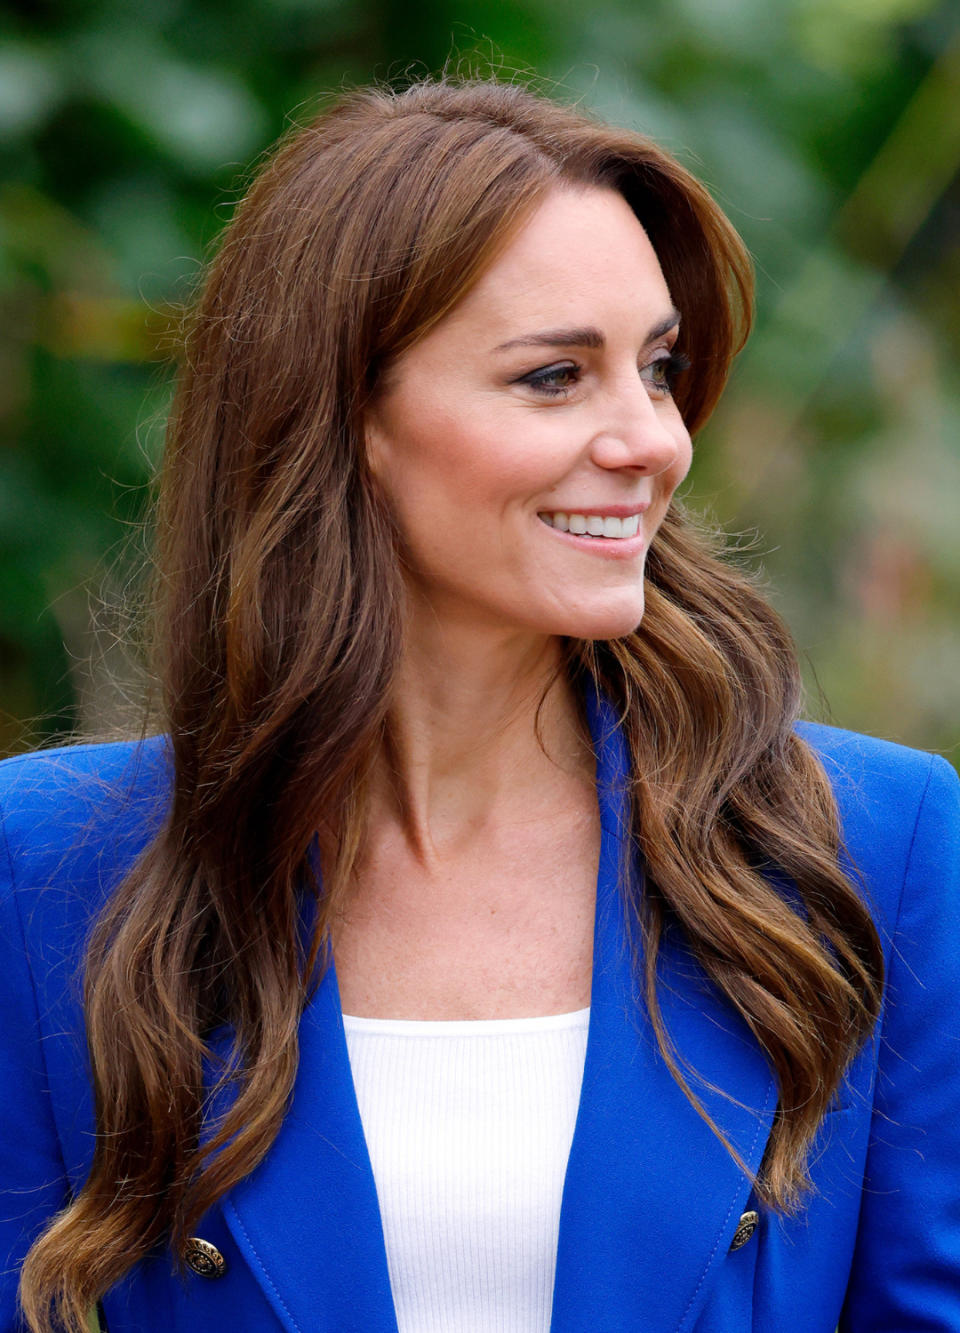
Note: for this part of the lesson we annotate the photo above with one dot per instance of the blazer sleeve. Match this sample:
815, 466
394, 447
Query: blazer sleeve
33, 1177
906, 1268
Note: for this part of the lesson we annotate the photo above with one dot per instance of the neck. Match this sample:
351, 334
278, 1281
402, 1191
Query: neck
461, 749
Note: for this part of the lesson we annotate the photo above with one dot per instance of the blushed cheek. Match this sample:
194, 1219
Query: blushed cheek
477, 475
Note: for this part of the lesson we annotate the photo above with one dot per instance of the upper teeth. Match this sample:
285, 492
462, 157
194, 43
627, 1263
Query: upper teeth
594, 525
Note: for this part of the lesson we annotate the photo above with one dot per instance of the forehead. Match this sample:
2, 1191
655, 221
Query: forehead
581, 257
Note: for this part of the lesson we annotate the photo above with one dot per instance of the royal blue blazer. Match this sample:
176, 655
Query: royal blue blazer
651, 1200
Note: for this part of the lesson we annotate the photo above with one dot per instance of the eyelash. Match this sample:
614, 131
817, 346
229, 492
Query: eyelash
673, 365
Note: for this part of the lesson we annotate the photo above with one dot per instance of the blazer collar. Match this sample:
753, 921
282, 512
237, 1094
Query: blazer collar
651, 1197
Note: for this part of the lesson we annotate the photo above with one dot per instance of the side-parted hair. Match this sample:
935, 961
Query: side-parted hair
278, 624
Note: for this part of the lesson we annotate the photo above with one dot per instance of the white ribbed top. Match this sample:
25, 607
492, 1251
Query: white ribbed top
469, 1126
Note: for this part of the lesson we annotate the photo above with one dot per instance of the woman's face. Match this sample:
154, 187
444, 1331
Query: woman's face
539, 406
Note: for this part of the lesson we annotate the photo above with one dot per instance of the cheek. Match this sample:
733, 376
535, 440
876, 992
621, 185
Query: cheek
445, 484
684, 457
449, 463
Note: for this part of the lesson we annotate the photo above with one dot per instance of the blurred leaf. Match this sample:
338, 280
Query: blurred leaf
203, 117
31, 84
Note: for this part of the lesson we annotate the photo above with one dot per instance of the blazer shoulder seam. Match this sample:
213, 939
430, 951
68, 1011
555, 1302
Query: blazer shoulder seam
913, 843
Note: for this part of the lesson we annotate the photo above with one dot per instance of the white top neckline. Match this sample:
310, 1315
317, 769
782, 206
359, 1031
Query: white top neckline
467, 1027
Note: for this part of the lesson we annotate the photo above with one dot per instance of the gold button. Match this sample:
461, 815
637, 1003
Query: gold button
745, 1229
205, 1259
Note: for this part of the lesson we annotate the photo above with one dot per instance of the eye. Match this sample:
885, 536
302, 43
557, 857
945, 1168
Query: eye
553, 381
662, 373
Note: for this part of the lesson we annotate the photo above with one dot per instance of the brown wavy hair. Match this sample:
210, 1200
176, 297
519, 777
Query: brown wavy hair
278, 627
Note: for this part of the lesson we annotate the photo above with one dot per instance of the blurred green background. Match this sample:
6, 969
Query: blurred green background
828, 129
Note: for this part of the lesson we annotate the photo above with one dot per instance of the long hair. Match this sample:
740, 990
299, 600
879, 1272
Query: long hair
278, 627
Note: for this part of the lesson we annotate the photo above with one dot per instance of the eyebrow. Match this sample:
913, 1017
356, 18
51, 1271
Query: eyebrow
584, 337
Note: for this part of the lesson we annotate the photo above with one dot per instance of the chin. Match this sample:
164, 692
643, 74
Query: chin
601, 622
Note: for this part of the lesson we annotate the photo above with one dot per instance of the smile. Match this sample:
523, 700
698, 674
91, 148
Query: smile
594, 525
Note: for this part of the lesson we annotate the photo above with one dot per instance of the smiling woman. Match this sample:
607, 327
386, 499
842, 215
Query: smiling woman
483, 943
473, 434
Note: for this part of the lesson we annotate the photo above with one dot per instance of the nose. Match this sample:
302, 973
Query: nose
639, 432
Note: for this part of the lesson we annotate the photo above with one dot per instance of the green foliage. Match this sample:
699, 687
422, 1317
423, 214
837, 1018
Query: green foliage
829, 129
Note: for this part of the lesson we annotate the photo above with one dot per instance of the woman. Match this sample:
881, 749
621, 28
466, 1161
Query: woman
484, 947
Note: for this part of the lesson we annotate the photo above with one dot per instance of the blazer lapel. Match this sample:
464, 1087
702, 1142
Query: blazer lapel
651, 1197
307, 1219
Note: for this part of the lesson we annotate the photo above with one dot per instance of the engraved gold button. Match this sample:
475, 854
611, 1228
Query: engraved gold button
745, 1229
205, 1259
